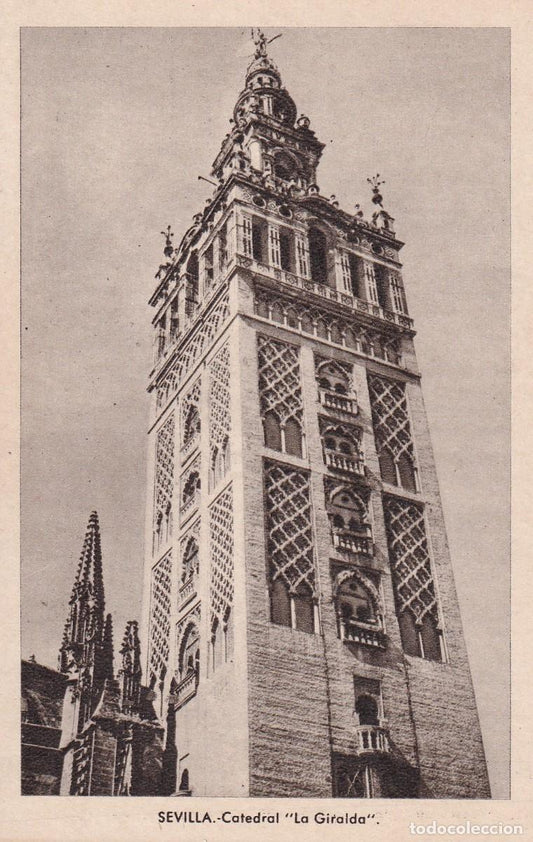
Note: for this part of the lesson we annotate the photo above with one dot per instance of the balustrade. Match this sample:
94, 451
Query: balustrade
346, 464
324, 291
372, 739
352, 542
187, 590
355, 631
333, 400
185, 689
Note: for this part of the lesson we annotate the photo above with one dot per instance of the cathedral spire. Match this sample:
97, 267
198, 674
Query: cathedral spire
86, 648
89, 576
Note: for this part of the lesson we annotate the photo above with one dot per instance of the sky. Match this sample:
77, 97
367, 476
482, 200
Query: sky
117, 125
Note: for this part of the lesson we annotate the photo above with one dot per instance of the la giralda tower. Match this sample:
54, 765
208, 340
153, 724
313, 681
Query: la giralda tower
301, 623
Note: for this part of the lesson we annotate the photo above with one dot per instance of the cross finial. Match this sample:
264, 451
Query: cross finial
169, 248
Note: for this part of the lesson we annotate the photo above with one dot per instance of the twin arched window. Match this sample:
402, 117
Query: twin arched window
422, 639
354, 603
398, 471
285, 437
296, 609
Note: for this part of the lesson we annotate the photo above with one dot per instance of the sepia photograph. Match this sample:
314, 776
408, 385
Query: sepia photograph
265, 412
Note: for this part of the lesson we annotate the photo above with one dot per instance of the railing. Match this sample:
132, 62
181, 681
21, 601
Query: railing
352, 542
323, 291
185, 690
187, 590
372, 739
346, 464
356, 632
333, 400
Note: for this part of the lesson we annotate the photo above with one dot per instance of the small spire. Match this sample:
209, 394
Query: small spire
130, 672
169, 248
375, 183
107, 648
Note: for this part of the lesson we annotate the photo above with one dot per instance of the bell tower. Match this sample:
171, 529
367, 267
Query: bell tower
302, 626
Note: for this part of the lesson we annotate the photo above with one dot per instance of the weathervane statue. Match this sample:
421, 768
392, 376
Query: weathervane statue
260, 40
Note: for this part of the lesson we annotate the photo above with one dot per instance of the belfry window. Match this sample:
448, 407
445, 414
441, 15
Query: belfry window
223, 247
193, 275
259, 239
355, 275
286, 250
318, 256
382, 285
284, 166
208, 266
190, 561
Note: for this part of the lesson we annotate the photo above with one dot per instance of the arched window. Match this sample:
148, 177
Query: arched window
217, 645
354, 603
304, 609
430, 638
406, 472
286, 250
259, 239
409, 634
284, 166
190, 562
382, 284
280, 606
367, 710
293, 437
333, 378
348, 510
318, 256
228, 635
225, 456
387, 466
190, 489
192, 425
189, 657
355, 275
158, 532
272, 430
168, 521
